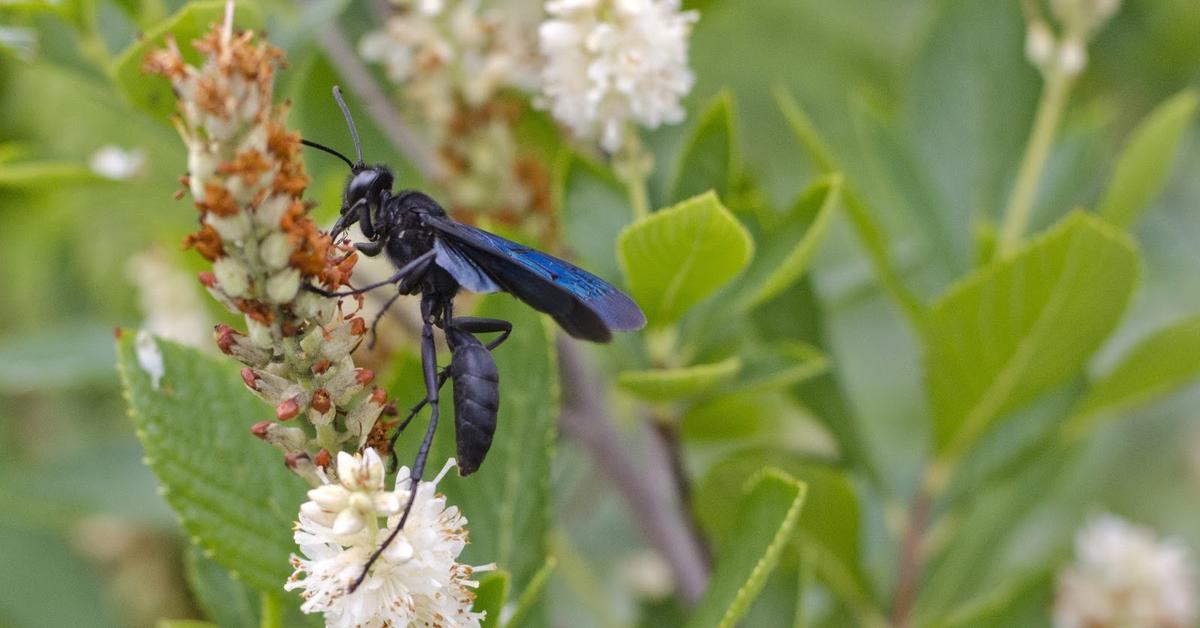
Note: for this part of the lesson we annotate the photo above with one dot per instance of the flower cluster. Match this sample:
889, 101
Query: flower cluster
451, 55
1079, 21
1124, 576
455, 63
246, 177
613, 62
416, 580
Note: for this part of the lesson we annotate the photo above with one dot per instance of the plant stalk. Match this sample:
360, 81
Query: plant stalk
1037, 151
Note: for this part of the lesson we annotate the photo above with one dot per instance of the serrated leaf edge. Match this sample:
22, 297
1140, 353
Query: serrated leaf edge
763, 567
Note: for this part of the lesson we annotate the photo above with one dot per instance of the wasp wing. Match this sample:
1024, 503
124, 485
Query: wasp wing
584, 305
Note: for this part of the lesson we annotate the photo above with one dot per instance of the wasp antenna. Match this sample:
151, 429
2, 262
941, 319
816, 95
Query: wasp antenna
337, 95
328, 150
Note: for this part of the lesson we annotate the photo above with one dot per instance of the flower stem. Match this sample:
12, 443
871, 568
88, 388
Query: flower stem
633, 165
272, 611
639, 199
1037, 151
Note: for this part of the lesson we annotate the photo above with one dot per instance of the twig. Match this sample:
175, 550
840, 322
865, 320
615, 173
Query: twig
648, 487
668, 436
908, 580
333, 41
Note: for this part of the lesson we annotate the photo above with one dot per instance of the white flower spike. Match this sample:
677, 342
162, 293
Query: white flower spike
1124, 576
417, 580
613, 62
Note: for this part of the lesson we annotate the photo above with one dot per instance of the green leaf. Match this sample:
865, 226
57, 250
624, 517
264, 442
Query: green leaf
595, 207
1019, 601
45, 174
787, 266
677, 383
829, 527
767, 417
67, 355
766, 519
1166, 360
1023, 325
1146, 160
708, 161
186, 623
873, 237
677, 256
153, 93
232, 492
491, 596
53, 586
531, 598
226, 601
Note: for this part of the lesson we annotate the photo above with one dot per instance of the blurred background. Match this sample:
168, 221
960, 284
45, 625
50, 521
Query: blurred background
90, 233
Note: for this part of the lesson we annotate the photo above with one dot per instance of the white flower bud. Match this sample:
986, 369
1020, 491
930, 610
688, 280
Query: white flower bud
1039, 45
315, 307
243, 191
387, 504
255, 140
311, 343
289, 439
348, 522
275, 250
283, 285
1072, 57
362, 418
341, 380
231, 276
271, 211
219, 127
259, 334
201, 166
338, 342
319, 515
233, 228
272, 388
217, 293
330, 496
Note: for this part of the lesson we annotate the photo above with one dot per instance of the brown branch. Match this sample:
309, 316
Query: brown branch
908, 580
647, 485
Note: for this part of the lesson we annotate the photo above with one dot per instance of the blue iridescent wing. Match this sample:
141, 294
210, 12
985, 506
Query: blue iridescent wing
584, 305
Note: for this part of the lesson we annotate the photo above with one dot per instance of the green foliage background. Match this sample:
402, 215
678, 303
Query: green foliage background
861, 153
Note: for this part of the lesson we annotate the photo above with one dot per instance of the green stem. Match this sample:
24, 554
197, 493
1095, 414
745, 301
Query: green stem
272, 611
1037, 151
633, 165
639, 198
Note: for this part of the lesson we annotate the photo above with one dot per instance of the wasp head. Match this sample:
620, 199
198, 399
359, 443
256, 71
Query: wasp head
367, 186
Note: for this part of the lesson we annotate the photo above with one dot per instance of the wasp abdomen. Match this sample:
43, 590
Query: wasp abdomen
476, 398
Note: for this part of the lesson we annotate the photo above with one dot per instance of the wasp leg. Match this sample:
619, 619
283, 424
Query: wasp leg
395, 464
370, 249
415, 267
475, 325
378, 316
429, 366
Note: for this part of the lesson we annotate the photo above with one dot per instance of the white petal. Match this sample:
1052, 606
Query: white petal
346, 468
348, 522
387, 504
330, 497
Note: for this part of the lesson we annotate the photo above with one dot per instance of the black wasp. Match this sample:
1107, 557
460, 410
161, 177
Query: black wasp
435, 256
